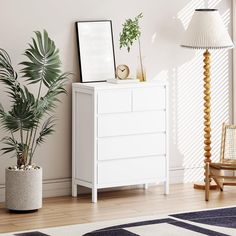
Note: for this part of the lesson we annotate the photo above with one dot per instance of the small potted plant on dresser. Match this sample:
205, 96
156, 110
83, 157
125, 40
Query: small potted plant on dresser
29, 120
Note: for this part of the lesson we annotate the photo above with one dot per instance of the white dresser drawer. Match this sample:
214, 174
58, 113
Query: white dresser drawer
130, 171
114, 101
131, 146
149, 98
131, 123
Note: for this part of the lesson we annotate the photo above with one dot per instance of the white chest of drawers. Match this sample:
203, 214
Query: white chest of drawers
119, 135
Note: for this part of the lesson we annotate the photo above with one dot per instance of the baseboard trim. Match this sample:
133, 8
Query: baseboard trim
62, 186
51, 188
186, 175
57, 187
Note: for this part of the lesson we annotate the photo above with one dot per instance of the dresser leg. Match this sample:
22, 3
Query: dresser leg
145, 186
166, 187
94, 195
74, 190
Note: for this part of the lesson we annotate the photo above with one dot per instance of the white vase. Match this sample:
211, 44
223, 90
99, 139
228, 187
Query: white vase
23, 189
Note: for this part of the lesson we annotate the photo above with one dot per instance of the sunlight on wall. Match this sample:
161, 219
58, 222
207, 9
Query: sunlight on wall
212, 3
226, 17
187, 88
185, 14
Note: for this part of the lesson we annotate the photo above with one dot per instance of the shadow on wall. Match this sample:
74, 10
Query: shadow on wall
185, 76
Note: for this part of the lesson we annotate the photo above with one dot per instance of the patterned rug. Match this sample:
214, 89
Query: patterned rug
216, 222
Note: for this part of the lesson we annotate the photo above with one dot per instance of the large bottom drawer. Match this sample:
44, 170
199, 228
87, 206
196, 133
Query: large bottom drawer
129, 171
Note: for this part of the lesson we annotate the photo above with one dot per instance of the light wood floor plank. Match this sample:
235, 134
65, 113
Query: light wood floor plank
66, 210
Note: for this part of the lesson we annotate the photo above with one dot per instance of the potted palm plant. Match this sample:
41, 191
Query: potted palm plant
29, 120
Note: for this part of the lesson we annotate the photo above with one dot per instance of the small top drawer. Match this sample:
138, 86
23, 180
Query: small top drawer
149, 98
114, 101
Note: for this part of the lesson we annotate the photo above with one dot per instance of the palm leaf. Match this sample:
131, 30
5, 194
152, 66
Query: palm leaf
8, 76
22, 114
47, 129
43, 63
11, 145
6, 69
48, 102
19, 149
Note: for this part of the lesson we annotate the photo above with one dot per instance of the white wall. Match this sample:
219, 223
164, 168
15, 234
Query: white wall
162, 26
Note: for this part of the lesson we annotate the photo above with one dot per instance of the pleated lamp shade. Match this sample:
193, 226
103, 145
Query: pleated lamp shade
206, 31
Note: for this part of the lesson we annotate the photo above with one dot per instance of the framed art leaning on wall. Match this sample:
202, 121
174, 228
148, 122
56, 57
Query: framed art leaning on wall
95, 50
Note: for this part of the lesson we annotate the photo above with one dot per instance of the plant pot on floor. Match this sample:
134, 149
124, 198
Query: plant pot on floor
23, 189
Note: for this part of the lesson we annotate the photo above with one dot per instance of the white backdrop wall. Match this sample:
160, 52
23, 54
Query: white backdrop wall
162, 26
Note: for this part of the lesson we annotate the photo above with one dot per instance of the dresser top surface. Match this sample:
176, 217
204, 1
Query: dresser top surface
106, 85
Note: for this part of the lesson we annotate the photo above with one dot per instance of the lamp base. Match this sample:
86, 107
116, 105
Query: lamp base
201, 186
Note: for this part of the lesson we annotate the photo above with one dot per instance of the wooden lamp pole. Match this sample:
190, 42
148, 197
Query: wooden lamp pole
207, 116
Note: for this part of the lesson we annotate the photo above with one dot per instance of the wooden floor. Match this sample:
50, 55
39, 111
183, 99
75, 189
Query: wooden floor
59, 211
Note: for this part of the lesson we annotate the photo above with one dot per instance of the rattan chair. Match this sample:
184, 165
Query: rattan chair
223, 172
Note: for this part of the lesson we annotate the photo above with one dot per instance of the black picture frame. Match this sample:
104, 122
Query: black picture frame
96, 53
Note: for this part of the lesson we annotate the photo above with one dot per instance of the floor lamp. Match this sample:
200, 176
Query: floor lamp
206, 31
